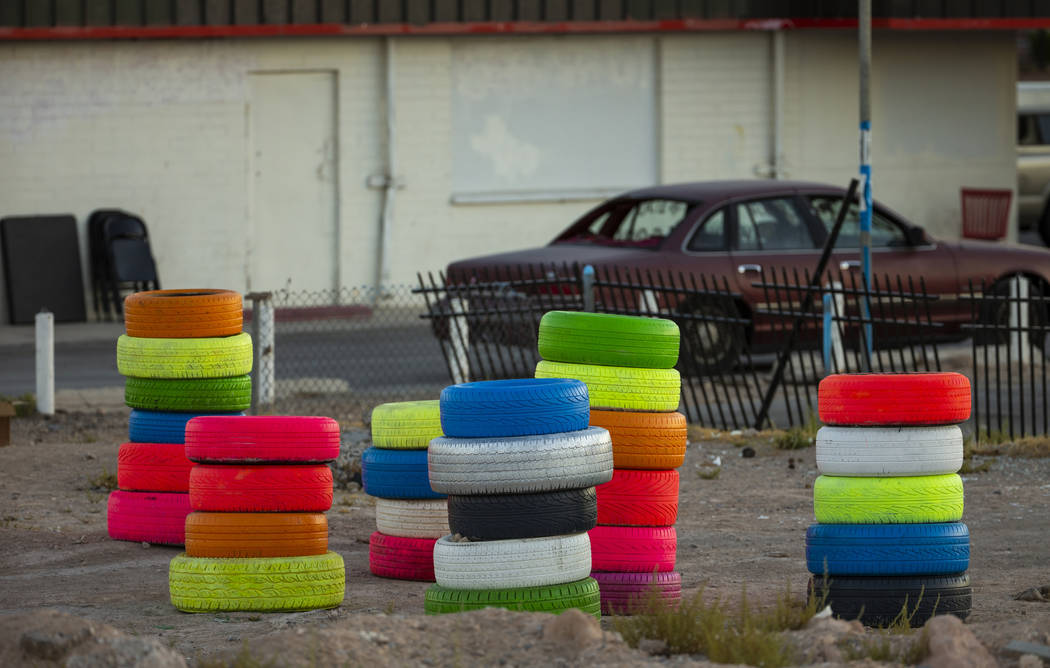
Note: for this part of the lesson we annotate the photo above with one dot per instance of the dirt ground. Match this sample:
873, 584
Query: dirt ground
743, 529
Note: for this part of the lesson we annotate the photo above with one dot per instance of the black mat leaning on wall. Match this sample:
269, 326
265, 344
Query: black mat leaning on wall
41, 260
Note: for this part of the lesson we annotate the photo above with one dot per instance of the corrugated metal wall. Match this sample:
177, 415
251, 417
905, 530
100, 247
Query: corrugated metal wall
52, 13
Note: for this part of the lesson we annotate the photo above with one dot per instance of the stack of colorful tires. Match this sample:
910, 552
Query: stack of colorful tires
410, 516
519, 463
258, 538
627, 364
889, 500
184, 355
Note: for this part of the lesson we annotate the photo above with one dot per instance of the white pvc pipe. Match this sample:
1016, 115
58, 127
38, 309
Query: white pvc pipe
45, 363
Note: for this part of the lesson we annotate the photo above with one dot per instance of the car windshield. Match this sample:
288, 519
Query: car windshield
632, 223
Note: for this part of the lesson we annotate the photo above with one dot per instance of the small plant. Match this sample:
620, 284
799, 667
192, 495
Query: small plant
798, 438
105, 481
24, 405
889, 644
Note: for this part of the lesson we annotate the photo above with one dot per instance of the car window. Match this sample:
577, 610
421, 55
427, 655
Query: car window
710, 236
884, 232
771, 224
631, 223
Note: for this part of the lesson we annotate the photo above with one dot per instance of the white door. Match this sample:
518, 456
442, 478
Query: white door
293, 161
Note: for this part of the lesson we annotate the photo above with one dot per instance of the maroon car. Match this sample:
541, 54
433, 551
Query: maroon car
738, 230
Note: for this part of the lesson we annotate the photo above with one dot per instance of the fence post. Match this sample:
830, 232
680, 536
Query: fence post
263, 386
834, 357
647, 302
459, 341
588, 289
45, 362
1018, 310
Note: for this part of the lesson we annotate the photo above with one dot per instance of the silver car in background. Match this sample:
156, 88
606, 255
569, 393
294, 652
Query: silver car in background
1033, 157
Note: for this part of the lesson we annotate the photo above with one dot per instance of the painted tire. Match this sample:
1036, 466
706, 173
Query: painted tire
160, 427
888, 399
262, 438
412, 518
179, 314
400, 558
608, 340
521, 464
148, 517
220, 357
270, 584
632, 593
633, 549
396, 474
888, 549
582, 595
639, 498
621, 387
261, 489
644, 440
889, 451
153, 467
503, 516
202, 395
877, 601
911, 500
520, 407
406, 425
511, 564
249, 535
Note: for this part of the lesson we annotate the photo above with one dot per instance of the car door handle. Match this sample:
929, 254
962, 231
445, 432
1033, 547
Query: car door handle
744, 268
848, 265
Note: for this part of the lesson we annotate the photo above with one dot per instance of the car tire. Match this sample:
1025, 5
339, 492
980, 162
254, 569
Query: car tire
582, 595
889, 451
633, 593
148, 517
406, 425
633, 549
639, 498
505, 516
219, 357
877, 601
161, 427
621, 387
608, 339
894, 399
256, 535
517, 407
709, 344
902, 500
995, 313
644, 440
511, 564
267, 488
178, 314
412, 518
153, 467
397, 474
201, 395
888, 549
257, 439
401, 558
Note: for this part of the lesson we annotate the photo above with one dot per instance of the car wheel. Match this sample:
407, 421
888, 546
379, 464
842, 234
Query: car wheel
709, 345
997, 312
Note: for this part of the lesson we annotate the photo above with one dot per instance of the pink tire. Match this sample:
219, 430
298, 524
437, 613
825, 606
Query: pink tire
148, 517
239, 439
401, 558
630, 593
633, 549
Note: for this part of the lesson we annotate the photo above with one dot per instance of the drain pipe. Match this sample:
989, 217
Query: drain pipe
389, 180
778, 104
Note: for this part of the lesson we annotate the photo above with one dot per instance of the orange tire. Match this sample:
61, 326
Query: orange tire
654, 441
183, 314
242, 535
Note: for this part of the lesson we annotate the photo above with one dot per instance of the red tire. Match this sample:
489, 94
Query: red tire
153, 467
148, 517
401, 558
633, 549
632, 593
639, 498
890, 399
251, 535
261, 489
266, 438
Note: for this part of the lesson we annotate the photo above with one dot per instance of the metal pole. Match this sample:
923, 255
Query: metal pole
588, 289
262, 352
45, 362
864, 38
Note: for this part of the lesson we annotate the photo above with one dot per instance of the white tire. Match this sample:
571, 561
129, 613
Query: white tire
889, 451
508, 564
521, 464
412, 518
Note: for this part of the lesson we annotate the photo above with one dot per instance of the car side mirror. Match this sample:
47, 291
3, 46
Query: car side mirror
915, 236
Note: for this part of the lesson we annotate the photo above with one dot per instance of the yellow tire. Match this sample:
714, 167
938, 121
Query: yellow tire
271, 584
406, 425
621, 387
901, 500
221, 357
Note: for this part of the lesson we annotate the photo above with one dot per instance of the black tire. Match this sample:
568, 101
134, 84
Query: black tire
708, 344
877, 600
503, 516
996, 311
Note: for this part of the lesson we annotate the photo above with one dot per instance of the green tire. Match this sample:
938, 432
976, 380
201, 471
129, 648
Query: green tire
218, 357
205, 395
621, 387
608, 340
272, 584
904, 500
406, 425
581, 594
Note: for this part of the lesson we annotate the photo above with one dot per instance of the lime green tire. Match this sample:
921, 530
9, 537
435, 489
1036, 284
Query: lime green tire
272, 584
204, 395
406, 425
218, 357
905, 500
621, 387
582, 594
608, 339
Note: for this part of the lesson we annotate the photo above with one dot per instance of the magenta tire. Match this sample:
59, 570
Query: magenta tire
148, 517
401, 558
633, 549
630, 593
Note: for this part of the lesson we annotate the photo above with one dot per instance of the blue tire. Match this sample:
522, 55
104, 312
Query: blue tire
888, 549
396, 474
161, 427
520, 407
